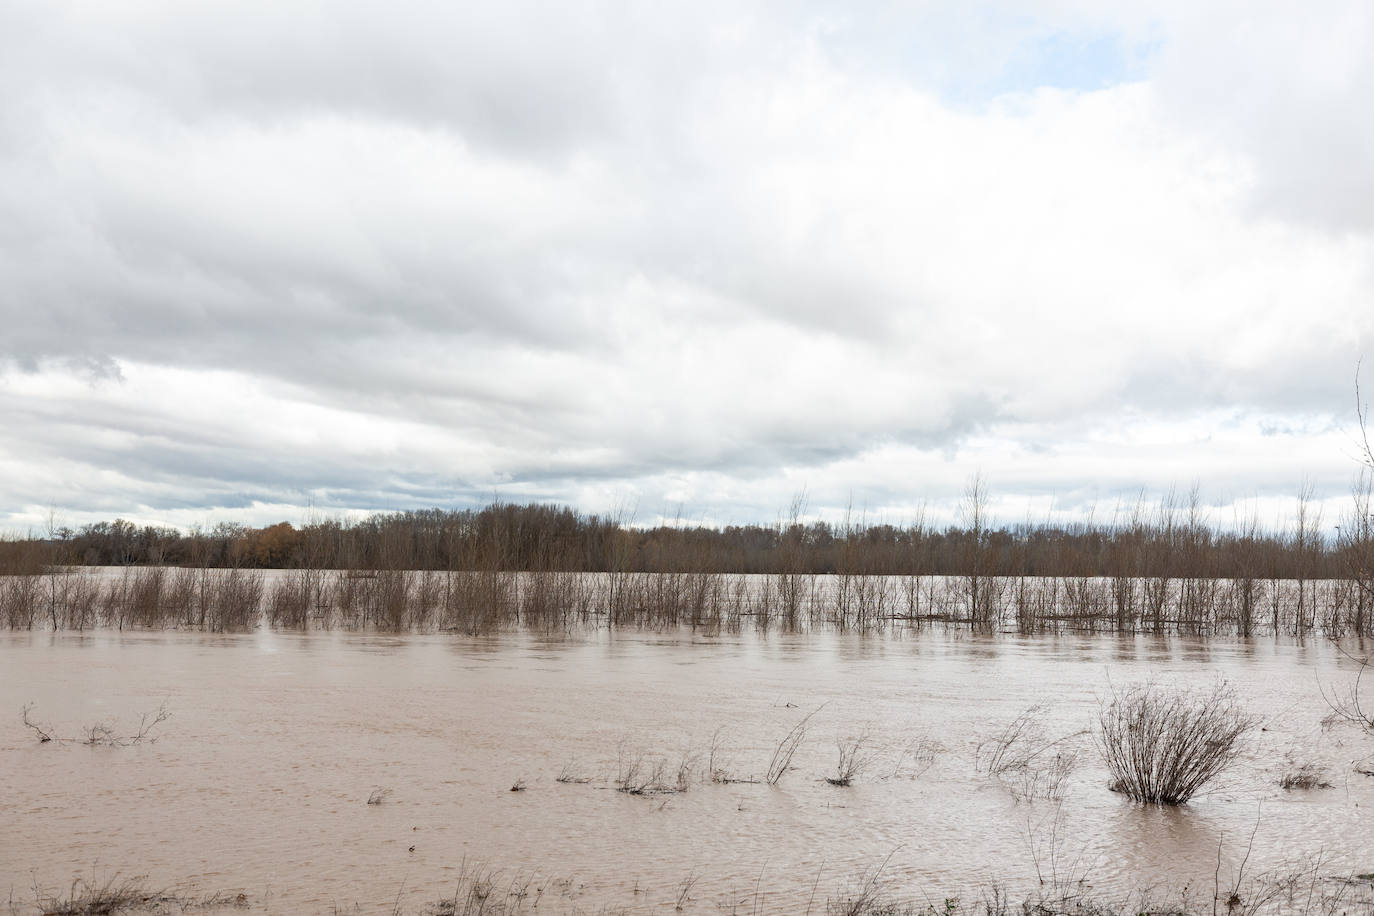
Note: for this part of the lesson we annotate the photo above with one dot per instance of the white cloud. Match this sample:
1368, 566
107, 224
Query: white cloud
265, 255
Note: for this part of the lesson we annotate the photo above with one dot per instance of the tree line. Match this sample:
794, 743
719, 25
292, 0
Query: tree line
1172, 539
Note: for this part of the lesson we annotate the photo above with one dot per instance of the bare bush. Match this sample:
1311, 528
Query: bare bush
378, 796
19, 601
1010, 748
856, 754
1028, 762
236, 601
1045, 777
292, 599
1163, 745
638, 774
21, 556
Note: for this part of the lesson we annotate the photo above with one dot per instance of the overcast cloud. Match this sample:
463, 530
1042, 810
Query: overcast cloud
260, 259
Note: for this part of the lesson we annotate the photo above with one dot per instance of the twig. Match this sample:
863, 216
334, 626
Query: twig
43, 734
782, 754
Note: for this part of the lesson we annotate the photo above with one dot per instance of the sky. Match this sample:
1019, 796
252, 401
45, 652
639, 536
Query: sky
266, 261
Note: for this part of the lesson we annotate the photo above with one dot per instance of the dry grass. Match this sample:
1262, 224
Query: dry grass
113, 896
482, 891
1306, 776
1162, 746
128, 895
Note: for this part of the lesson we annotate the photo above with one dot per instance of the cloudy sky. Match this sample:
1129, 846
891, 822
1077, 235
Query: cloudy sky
260, 259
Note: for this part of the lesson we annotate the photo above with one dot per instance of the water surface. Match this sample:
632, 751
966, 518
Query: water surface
260, 780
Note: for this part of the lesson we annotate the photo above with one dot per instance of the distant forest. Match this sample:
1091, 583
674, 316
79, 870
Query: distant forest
1174, 539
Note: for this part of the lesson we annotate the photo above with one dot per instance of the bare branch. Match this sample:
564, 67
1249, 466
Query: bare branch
43, 732
782, 754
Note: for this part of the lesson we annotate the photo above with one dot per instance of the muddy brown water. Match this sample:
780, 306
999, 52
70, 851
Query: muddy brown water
259, 782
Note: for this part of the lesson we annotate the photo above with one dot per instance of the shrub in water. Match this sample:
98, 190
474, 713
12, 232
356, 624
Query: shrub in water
1163, 745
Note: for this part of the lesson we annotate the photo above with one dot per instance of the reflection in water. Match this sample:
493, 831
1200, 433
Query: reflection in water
261, 778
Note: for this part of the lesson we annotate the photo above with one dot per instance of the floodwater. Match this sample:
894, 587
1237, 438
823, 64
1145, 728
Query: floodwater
260, 780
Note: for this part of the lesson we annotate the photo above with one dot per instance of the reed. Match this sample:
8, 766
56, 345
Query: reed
115, 895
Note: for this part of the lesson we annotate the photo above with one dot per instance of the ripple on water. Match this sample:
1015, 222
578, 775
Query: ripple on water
260, 780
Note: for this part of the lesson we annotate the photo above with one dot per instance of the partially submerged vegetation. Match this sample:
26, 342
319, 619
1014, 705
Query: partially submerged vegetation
123, 894
1163, 745
1161, 569
489, 891
1306, 776
1179, 739
99, 734
484, 601
1027, 760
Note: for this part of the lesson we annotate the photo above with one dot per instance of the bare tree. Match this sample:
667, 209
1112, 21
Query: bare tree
1357, 533
979, 585
1362, 416
1306, 548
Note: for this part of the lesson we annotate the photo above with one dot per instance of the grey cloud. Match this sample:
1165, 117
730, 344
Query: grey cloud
556, 241
516, 78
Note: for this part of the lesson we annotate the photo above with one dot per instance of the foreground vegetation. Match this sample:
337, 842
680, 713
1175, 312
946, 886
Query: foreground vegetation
483, 891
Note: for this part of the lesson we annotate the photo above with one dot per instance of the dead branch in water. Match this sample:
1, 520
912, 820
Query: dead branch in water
102, 734
1348, 705
43, 732
782, 754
